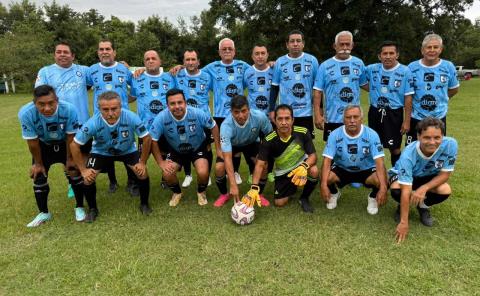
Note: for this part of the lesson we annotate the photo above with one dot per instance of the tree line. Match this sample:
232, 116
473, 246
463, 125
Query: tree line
28, 32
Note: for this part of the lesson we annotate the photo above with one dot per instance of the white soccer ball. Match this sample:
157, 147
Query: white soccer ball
242, 214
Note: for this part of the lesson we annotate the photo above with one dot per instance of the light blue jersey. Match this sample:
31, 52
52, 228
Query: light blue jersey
185, 135
151, 91
51, 129
388, 88
70, 85
354, 153
295, 77
259, 83
196, 88
233, 134
413, 163
340, 82
114, 78
431, 85
227, 82
112, 140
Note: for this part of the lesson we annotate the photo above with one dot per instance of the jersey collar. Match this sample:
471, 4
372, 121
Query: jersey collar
231, 64
354, 137
62, 68
294, 59
112, 66
341, 61
266, 69
390, 70
181, 119
194, 75
436, 65
419, 151
112, 125
158, 75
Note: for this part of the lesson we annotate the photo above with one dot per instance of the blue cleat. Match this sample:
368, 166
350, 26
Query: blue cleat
40, 219
70, 193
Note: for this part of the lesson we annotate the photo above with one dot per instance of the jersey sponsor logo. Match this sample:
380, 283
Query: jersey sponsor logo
155, 106
439, 163
346, 95
185, 148
345, 70
308, 68
382, 102
428, 77
451, 161
229, 70
121, 79
192, 127
385, 80
443, 78
165, 86
261, 102
192, 102
231, 90
154, 85
107, 77
203, 87
297, 68
352, 148
298, 90
125, 134
261, 80
428, 103
397, 83
366, 150
78, 73
192, 84
356, 71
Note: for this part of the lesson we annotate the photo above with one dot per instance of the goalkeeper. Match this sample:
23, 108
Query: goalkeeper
292, 150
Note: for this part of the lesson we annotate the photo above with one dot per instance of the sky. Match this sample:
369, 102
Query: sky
135, 10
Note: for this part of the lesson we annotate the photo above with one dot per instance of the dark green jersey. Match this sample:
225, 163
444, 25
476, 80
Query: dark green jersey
287, 154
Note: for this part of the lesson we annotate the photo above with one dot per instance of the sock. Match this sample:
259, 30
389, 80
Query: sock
422, 205
374, 192
394, 158
110, 168
309, 187
236, 162
132, 178
434, 198
144, 188
77, 187
201, 188
188, 169
91, 195
262, 184
175, 188
41, 190
210, 160
221, 184
333, 188
395, 193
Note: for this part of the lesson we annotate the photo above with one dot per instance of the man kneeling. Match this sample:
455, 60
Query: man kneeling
113, 131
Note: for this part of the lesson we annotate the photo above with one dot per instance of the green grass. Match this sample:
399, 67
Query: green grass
196, 251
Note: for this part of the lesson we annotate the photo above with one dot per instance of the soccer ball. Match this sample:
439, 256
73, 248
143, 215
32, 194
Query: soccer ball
242, 214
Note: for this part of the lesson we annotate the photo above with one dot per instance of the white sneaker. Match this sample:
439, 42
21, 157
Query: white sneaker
209, 181
332, 203
202, 198
372, 207
187, 181
238, 179
176, 197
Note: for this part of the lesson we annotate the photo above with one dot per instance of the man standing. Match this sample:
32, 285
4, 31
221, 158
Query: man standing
390, 86
420, 175
240, 133
113, 130
48, 126
183, 127
293, 76
434, 81
338, 81
292, 150
258, 80
354, 153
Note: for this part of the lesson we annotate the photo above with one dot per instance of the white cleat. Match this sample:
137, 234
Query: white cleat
187, 181
332, 203
372, 207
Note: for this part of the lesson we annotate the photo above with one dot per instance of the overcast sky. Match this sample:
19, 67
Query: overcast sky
135, 10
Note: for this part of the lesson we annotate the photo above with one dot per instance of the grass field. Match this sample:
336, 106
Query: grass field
190, 250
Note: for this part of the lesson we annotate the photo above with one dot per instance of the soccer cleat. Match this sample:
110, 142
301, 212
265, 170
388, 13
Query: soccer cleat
221, 200
372, 207
238, 178
356, 185
202, 198
396, 216
91, 216
306, 206
264, 201
176, 197
40, 219
271, 177
80, 214
145, 209
70, 193
187, 181
425, 216
332, 203
112, 188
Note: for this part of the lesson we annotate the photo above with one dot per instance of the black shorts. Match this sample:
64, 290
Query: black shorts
52, 153
87, 147
412, 134
249, 151
208, 135
387, 123
306, 122
219, 121
99, 162
328, 128
347, 177
417, 181
284, 187
184, 159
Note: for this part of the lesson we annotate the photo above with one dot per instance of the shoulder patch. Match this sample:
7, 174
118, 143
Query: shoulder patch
271, 136
300, 129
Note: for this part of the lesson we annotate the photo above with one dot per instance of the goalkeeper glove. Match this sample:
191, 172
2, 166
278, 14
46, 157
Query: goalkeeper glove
252, 196
299, 174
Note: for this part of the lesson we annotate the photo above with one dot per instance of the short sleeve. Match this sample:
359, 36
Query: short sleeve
140, 128
376, 146
330, 147
86, 132
72, 122
408, 82
319, 81
363, 75
156, 129
225, 137
453, 81
276, 73
449, 165
308, 144
28, 128
41, 77
264, 151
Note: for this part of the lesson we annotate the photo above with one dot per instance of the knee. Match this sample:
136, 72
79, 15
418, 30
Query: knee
443, 189
313, 171
219, 168
280, 202
40, 181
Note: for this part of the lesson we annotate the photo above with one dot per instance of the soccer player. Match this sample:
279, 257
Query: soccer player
109, 75
48, 126
113, 130
292, 150
196, 85
183, 127
69, 81
421, 174
337, 84
258, 80
354, 153
390, 86
240, 132
227, 77
435, 83
293, 77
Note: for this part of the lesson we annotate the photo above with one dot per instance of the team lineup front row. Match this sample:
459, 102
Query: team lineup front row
179, 136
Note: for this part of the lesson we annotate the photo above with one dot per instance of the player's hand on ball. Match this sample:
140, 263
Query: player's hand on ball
252, 196
299, 174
